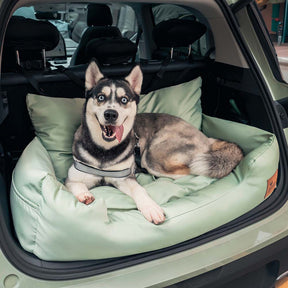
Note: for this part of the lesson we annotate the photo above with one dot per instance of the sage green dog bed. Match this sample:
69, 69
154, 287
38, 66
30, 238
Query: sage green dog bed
53, 225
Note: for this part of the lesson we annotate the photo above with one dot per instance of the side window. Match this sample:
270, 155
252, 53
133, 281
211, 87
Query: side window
200, 47
274, 15
125, 19
165, 12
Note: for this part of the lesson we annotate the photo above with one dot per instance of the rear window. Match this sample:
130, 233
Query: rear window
71, 22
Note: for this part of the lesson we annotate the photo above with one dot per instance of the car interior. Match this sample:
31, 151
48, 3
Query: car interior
46, 51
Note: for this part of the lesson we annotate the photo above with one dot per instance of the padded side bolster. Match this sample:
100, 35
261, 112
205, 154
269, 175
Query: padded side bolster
256, 145
24, 211
247, 137
26, 192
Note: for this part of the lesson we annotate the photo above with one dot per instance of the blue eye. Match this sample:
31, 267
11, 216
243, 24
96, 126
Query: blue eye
100, 98
124, 100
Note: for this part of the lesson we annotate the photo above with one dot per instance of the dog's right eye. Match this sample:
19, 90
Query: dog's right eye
100, 98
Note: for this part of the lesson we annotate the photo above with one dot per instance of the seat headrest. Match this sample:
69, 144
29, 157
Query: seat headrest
99, 15
177, 32
29, 37
111, 50
28, 34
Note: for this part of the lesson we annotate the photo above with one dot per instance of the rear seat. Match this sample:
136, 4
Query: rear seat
16, 131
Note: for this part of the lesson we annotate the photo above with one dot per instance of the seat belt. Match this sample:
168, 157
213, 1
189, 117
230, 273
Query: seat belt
3, 106
139, 34
32, 81
71, 75
160, 74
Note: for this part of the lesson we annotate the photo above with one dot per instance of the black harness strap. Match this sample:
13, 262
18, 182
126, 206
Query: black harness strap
32, 81
71, 75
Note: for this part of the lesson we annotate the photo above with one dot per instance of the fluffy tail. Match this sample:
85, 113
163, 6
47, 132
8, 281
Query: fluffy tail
222, 158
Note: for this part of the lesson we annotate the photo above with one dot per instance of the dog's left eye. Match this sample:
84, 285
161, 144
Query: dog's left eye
124, 100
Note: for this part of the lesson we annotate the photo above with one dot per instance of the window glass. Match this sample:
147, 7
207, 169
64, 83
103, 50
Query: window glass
165, 12
274, 14
71, 22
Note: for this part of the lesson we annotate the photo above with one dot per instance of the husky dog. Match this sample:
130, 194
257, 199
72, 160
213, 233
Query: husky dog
104, 144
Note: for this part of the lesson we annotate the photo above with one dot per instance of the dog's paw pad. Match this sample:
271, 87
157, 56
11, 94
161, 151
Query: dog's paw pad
153, 213
86, 198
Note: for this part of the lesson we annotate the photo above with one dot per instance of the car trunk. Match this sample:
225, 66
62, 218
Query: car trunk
230, 92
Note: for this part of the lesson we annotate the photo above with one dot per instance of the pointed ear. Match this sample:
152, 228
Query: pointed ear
92, 76
135, 79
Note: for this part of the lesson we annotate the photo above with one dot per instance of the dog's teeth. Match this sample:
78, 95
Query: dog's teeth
109, 132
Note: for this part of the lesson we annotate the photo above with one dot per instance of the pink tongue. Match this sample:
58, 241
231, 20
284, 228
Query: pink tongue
119, 132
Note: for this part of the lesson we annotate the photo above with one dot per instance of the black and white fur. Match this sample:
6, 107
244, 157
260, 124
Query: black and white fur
169, 146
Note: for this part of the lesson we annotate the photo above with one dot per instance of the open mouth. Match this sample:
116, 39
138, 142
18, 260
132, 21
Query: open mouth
110, 133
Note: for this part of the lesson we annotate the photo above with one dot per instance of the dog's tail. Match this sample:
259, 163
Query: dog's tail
222, 158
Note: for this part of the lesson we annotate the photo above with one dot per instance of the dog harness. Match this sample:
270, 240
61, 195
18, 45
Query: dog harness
83, 167
86, 168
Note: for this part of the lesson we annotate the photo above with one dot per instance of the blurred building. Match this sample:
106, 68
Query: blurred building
275, 14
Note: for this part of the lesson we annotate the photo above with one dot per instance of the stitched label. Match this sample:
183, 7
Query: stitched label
271, 184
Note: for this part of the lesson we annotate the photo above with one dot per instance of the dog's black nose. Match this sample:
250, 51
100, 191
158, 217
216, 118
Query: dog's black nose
111, 115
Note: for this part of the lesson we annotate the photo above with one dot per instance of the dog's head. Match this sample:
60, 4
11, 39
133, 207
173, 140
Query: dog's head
112, 103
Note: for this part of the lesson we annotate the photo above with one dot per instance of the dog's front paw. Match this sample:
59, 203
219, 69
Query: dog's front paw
152, 212
86, 197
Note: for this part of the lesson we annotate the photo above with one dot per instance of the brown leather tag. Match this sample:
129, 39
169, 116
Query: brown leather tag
271, 184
